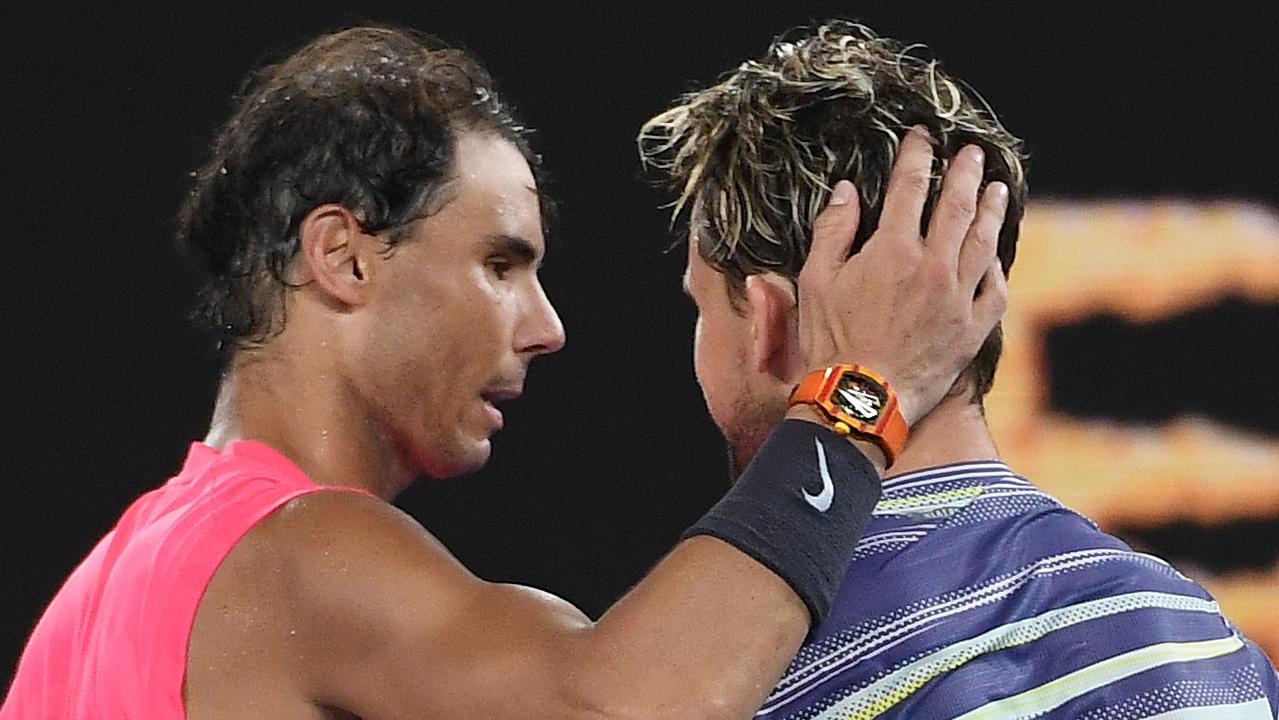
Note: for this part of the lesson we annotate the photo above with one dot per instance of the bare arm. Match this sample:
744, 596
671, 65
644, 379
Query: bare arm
397, 628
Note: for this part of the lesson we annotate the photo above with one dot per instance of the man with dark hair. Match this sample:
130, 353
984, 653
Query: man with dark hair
371, 228
990, 600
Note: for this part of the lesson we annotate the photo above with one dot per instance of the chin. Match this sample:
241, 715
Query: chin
473, 457
467, 456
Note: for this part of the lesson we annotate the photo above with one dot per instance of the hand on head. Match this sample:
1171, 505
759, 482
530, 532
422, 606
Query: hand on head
907, 306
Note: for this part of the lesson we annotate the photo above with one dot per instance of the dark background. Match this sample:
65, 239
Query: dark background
610, 454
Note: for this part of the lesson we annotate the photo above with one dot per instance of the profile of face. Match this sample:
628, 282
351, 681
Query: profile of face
737, 370
456, 314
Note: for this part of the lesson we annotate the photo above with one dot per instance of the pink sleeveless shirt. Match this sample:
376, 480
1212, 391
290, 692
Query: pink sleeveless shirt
113, 642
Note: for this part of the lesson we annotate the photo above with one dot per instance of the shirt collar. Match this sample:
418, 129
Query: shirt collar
966, 472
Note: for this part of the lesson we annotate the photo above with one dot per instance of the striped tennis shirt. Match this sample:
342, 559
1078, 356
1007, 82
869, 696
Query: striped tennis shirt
975, 595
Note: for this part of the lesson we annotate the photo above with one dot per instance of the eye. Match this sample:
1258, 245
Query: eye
499, 265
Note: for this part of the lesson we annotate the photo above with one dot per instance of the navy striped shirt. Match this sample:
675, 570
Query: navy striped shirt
972, 594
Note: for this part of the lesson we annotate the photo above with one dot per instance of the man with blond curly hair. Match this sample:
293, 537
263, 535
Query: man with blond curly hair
972, 593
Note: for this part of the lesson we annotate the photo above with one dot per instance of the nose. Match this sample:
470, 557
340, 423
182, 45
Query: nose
541, 332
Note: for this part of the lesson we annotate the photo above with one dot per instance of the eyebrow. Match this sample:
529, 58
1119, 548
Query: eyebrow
518, 247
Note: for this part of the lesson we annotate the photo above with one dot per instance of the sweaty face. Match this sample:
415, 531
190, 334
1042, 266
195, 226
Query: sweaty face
736, 394
458, 313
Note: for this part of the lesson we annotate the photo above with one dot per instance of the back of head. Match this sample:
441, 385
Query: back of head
365, 118
759, 152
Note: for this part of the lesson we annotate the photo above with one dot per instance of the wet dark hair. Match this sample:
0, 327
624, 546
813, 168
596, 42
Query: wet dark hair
760, 151
366, 118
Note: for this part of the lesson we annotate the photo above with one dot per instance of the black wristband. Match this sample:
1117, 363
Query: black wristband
799, 509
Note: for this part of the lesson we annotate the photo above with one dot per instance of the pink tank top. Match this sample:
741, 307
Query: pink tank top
113, 642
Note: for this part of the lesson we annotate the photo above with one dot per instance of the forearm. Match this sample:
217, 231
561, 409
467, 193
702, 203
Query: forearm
705, 635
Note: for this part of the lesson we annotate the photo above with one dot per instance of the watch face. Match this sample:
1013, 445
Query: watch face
860, 397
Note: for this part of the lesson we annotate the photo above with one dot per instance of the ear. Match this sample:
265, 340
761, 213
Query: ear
771, 301
334, 253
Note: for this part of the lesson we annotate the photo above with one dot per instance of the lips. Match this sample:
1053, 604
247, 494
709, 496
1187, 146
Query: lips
501, 394
492, 397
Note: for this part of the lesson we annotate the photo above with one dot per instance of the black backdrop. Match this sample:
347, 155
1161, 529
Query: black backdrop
610, 454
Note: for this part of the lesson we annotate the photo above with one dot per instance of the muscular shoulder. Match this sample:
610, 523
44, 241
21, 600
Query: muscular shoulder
352, 562
321, 580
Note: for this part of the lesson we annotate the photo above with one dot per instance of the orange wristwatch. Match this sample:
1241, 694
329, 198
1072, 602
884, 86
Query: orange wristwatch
857, 401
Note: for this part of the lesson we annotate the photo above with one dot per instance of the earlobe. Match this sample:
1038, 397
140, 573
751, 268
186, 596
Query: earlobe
332, 253
771, 300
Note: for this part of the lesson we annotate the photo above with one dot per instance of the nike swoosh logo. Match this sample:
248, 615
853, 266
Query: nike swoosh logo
821, 501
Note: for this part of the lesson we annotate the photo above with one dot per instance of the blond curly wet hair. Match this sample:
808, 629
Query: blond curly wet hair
756, 154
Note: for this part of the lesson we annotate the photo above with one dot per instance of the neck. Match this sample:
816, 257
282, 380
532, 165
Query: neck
304, 414
955, 431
